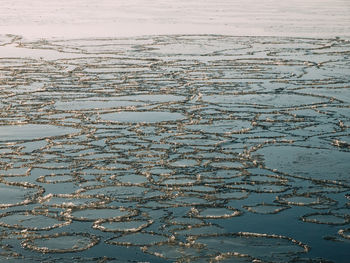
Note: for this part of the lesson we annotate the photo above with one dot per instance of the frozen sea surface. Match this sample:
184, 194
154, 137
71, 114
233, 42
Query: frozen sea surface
110, 18
174, 131
182, 148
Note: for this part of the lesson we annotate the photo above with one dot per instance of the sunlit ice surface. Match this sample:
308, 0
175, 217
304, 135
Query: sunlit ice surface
109, 18
232, 146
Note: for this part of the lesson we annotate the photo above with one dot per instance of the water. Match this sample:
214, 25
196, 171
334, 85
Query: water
202, 156
174, 131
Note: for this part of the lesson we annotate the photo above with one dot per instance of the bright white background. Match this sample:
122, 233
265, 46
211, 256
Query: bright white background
112, 18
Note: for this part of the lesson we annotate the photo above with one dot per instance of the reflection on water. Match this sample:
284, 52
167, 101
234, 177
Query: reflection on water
127, 150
